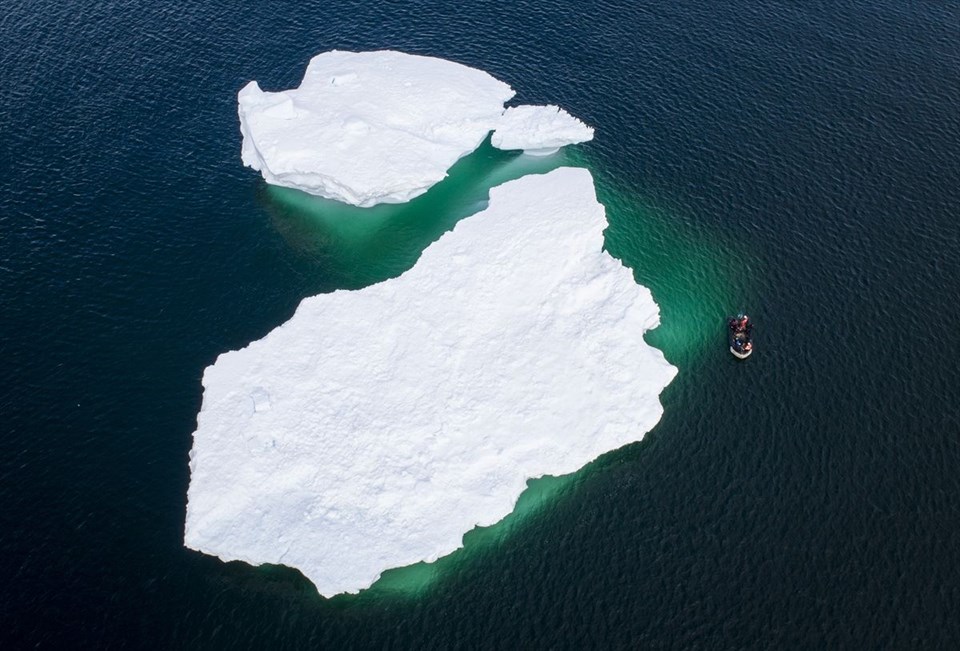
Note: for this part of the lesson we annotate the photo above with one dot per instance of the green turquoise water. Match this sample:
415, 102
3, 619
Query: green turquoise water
354, 247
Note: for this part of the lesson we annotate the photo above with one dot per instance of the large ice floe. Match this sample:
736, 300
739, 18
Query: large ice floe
366, 128
377, 426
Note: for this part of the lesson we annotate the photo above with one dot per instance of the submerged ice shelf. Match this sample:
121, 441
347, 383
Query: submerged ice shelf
377, 426
366, 128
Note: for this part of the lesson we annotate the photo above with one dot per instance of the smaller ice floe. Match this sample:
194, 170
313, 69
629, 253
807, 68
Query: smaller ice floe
366, 128
539, 130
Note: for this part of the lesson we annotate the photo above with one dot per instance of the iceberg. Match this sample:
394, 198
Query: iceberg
377, 426
365, 128
539, 130
369, 127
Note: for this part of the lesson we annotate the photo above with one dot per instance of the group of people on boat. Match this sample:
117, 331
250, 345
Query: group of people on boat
740, 327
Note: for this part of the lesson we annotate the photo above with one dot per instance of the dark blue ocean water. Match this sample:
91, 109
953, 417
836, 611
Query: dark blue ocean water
798, 160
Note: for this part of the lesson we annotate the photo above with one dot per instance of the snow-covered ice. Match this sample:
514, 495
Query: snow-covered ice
369, 127
377, 426
366, 128
539, 130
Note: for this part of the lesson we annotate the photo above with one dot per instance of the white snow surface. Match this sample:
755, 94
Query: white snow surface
377, 426
369, 127
539, 130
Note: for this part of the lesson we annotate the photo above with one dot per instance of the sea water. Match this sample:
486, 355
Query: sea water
796, 162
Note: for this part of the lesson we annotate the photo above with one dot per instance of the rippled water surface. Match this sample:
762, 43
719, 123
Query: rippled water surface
797, 160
